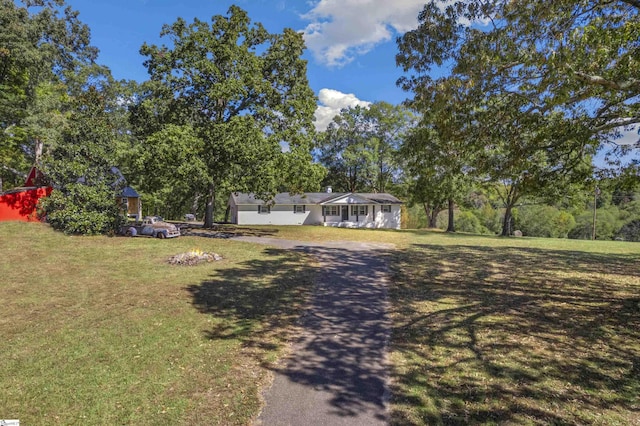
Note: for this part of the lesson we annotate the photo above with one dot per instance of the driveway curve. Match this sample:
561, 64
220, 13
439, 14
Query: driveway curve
336, 373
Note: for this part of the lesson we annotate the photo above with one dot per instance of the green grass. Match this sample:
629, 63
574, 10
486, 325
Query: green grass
307, 233
100, 330
486, 330
515, 331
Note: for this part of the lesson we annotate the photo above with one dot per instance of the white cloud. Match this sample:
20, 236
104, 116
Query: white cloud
331, 102
342, 29
629, 137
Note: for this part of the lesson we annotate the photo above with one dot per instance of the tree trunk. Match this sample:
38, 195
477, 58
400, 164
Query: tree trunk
433, 218
194, 206
39, 148
211, 205
432, 214
506, 223
451, 227
427, 212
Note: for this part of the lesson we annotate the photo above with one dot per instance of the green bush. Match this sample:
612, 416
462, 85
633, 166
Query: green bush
630, 231
79, 165
490, 218
84, 210
466, 221
544, 221
417, 219
607, 224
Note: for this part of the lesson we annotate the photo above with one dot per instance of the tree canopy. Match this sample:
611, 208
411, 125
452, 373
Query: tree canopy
541, 99
570, 57
360, 147
43, 48
245, 94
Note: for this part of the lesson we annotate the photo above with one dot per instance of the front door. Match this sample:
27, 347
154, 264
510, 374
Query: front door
345, 213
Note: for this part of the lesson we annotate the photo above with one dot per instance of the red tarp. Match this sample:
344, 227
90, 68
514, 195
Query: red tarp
20, 203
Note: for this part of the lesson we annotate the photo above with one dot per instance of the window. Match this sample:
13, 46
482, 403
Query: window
264, 209
331, 211
359, 210
299, 208
385, 208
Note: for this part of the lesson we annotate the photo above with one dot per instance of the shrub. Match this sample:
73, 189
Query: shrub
630, 231
83, 209
466, 221
544, 221
607, 223
490, 218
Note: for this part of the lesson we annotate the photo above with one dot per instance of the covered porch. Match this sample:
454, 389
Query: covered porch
355, 211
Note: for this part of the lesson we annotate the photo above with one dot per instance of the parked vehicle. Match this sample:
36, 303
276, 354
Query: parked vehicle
152, 226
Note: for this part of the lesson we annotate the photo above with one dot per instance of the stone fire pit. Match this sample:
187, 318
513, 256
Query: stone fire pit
193, 257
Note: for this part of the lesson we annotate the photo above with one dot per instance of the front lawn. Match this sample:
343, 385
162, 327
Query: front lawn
516, 331
99, 330
486, 330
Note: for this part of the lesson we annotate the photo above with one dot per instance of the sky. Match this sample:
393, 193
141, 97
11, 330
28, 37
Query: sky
351, 44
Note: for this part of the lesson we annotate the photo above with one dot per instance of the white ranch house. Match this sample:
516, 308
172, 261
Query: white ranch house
349, 210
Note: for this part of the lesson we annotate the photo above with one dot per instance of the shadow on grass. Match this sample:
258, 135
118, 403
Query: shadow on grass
257, 300
223, 231
515, 335
340, 350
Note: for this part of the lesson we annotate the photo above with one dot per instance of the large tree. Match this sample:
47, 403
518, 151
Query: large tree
525, 154
360, 146
80, 165
245, 94
578, 58
440, 155
170, 169
348, 152
428, 184
43, 45
544, 98
391, 125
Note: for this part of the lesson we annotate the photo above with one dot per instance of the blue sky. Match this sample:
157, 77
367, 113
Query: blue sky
351, 43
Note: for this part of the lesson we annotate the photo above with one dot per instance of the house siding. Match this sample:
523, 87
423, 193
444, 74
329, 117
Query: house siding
283, 214
279, 215
22, 204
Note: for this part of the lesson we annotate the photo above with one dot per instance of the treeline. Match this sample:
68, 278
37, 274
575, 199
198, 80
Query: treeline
616, 216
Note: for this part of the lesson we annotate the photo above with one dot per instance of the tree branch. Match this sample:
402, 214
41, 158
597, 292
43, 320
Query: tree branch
14, 171
610, 105
612, 125
634, 3
601, 81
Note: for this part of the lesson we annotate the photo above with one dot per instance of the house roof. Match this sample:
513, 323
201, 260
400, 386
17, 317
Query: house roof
380, 198
324, 198
129, 192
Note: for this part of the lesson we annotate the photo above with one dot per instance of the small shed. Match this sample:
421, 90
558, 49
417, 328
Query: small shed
21, 203
129, 200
